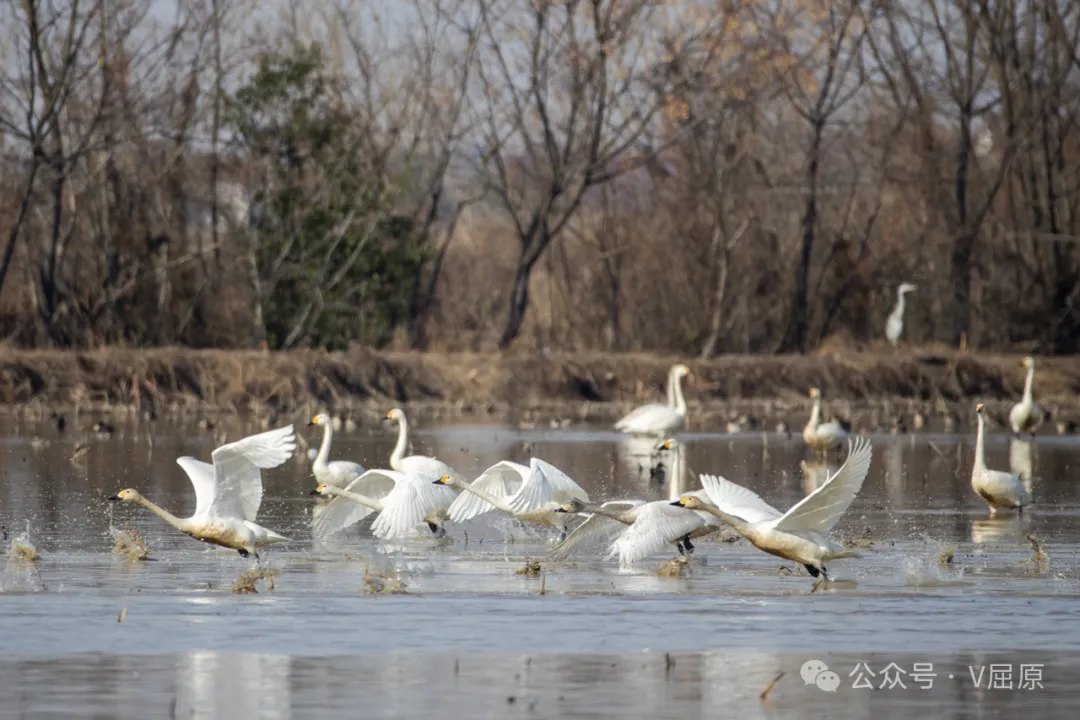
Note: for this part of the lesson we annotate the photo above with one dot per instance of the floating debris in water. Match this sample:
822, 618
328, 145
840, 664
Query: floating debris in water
1039, 557
945, 557
531, 567
128, 542
543, 585
673, 567
21, 572
247, 583
861, 539
122, 616
768, 688
380, 585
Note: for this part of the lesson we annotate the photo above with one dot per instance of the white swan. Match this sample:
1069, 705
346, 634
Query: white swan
228, 493
337, 473
652, 528
403, 501
894, 325
822, 436
658, 419
998, 489
418, 464
531, 493
800, 533
1026, 416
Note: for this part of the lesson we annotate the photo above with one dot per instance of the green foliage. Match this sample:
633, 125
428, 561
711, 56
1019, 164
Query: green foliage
332, 260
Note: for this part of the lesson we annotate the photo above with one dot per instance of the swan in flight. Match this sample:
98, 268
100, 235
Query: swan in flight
336, 473
658, 419
894, 325
653, 527
822, 437
403, 501
1026, 416
228, 493
531, 493
418, 464
800, 533
998, 489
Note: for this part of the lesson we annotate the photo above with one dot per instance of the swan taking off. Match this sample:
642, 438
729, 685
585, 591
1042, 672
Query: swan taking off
418, 464
658, 419
998, 489
1026, 416
822, 436
894, 325
228, 493
336, 473
531, 493
800, 533
403, 501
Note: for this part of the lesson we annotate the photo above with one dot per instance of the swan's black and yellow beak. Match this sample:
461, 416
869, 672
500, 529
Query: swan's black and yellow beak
114, 498
444, 480
561, 510
679, 503
315, 492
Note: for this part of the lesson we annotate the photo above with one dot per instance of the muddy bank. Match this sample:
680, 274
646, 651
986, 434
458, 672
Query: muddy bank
875, 391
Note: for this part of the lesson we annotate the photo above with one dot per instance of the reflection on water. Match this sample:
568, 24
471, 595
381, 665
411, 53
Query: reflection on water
473, 638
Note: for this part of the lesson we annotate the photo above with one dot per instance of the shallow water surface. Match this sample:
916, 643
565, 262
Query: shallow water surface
940, 585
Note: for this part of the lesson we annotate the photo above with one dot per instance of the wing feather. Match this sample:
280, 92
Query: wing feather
737, 500
237, 471
822, 509
596, 527
501, 480
658, 525
406, 506
201, 475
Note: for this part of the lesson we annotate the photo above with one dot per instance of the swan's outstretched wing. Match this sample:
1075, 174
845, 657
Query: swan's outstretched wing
737, 500
375, 484
820, 510
424, 465
597, 527
202, 477
343, 512
544, 486
501, 480
237, 471
657, 526
650, 418
413, 497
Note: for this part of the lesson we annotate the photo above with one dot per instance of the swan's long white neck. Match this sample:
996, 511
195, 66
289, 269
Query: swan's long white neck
815, 414
402, 442
487, 497
355, 497
604, 512
677, 474
180, 524
980, 457
741, 526
675, 396
1027, 384
324, 449
899, 311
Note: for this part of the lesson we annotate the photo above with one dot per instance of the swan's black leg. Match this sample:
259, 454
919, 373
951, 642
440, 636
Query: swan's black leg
679, 546
814, 572
688, 545
825, 574
244, 553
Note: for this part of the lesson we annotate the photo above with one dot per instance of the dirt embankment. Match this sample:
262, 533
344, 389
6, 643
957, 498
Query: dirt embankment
877, 391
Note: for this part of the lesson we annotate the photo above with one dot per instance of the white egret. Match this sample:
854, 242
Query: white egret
894, 325
1026, 416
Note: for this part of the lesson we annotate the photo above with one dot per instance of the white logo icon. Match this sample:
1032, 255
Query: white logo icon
815, 672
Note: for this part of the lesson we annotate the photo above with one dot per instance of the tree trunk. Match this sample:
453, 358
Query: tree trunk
519, 303
800, 311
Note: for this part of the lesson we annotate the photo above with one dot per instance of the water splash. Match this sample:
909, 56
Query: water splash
21, 573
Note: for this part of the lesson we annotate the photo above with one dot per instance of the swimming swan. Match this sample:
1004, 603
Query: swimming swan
800, 533
653, 527
655, 419
419, 464
998, 489
403, 501
822, 436
228, 493
1026, 416
527, 493
337, 473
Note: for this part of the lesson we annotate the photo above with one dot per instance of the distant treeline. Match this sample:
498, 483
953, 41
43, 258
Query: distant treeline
703, 177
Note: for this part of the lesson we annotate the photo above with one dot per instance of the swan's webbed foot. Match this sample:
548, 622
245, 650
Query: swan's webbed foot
814, 572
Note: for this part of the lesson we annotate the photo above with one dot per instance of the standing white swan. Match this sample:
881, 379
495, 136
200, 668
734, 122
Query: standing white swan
531, 493
228, 493
418, 464
998, 489
1026, 416
800, 533
822, 436
403, 501
655, 419
894, 325
336, 473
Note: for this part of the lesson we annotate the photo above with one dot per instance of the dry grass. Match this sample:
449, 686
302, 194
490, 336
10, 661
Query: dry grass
531, 567
247, 583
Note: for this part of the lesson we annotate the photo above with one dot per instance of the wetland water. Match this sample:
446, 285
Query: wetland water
472, 638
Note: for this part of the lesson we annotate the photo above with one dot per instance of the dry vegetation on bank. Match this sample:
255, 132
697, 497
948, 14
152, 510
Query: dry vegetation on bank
883, 387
